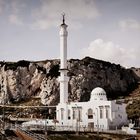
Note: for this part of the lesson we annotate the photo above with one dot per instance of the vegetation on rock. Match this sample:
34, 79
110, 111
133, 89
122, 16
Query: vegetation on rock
133, 111
14, 65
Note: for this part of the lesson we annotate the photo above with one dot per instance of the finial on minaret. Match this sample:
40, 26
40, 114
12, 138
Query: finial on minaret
63, 16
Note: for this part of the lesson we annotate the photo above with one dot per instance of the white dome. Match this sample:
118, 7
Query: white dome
98, 94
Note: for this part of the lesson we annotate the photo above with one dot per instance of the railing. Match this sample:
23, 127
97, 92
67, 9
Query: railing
31, 134
27, 132
71, 128
58, 129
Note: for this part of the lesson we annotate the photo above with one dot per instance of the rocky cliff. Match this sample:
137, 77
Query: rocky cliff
21, 80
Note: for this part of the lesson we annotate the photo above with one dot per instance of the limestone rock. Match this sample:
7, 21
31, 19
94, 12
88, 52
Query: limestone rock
21, 80
49, 90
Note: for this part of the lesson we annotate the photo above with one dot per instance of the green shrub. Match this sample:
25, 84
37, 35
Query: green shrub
14, 65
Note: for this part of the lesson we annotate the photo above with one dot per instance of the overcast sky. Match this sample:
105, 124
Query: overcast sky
103, 29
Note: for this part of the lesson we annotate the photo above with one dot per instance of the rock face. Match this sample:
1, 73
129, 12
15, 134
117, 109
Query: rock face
136, 73
19, 81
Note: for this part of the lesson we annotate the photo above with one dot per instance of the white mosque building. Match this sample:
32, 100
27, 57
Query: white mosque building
96, 114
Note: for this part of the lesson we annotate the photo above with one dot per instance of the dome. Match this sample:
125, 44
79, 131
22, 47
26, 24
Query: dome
98, 94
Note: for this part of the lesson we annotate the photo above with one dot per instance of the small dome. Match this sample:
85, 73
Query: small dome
98, 94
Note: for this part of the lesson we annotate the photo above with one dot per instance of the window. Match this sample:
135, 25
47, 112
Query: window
119, 116
69, 114
79, 114
107, 111
90, 113
101, 112
74, 113
62, 113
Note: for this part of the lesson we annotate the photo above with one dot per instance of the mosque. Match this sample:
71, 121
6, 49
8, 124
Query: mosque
97, 114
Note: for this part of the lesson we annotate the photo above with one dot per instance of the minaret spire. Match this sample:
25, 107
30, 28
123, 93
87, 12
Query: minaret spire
63, 15
63, 62
63, 20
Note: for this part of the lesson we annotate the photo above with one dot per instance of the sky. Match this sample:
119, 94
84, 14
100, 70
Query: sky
108, 30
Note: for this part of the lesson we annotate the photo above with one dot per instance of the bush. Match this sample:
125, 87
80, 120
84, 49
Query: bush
14, 65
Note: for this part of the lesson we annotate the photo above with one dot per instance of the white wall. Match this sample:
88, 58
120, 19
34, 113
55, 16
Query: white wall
117, 114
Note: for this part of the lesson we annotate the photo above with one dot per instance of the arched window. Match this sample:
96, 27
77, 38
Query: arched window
80, 114
74, 113
101, 112
62, 113
69, 114
90, 113
107, 109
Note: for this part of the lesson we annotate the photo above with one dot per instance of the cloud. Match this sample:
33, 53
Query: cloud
108, 51
43, 14
1, 6
43, 24
12, 6
129, 24
12, 10
48, 13
14, 19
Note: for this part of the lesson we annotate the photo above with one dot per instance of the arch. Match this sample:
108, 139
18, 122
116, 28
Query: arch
90, 113
62, 113
69, 114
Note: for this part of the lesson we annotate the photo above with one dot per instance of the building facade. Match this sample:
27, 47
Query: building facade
97, 113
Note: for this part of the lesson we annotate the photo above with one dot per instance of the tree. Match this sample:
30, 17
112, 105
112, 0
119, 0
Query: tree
133, 112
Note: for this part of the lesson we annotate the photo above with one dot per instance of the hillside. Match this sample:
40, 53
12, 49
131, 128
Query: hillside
21, 80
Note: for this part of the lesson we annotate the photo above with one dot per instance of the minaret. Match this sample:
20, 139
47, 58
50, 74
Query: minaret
63, 79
